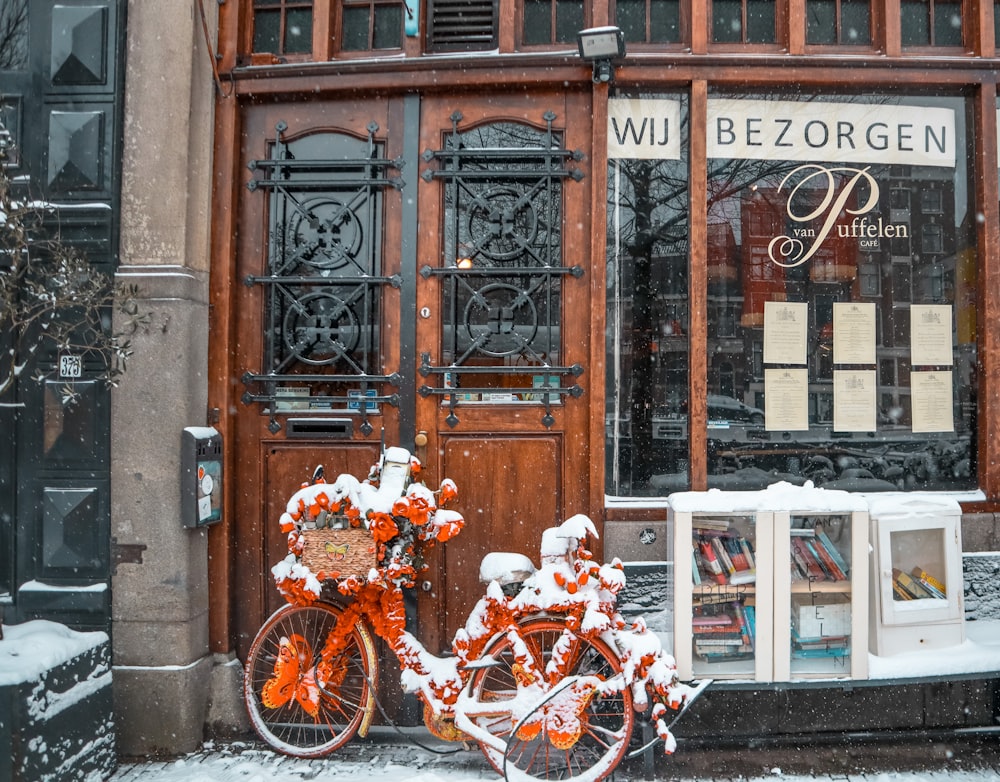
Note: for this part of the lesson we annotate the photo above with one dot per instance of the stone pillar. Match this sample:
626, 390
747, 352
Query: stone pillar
162, 668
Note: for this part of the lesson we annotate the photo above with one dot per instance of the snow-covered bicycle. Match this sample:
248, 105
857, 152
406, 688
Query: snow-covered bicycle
545, 675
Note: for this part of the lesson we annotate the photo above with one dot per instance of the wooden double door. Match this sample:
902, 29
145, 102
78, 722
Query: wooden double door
412, 270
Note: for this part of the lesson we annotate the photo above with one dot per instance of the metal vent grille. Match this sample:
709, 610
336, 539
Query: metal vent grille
457, 25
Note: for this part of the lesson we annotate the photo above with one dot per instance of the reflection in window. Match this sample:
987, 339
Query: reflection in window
646, 414
552, 21
743, 21
13, 35
282, 26
649, 21
843, 22
889, 246
370, 24
931, 22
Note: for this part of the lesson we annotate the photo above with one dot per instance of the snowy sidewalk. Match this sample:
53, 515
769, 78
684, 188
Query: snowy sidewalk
388, 758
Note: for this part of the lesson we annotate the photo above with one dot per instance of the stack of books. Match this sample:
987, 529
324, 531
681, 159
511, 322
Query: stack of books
724, 632
722, 557
917, 585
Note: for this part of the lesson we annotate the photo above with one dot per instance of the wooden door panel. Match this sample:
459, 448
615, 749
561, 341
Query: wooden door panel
509, 490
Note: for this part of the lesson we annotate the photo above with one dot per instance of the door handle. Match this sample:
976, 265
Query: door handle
420, 441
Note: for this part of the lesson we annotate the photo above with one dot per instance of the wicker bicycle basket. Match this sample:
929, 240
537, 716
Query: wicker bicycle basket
338, 553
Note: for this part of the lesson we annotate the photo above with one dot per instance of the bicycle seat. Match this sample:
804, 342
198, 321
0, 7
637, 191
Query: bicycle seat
505, 568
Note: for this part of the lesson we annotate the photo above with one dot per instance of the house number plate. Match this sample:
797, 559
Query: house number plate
70, 366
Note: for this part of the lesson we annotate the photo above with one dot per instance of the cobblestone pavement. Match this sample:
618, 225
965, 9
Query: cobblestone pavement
387, 757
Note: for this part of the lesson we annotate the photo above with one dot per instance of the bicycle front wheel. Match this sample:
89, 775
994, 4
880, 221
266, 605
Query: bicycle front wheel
308, 680
602, 734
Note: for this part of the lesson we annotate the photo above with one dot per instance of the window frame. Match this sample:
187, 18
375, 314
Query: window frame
875, 15
781, 29
684, 24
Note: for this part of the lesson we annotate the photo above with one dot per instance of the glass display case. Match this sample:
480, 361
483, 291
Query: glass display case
916, 574
723, 587
821, 596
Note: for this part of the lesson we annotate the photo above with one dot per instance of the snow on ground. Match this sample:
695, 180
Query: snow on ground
366, 762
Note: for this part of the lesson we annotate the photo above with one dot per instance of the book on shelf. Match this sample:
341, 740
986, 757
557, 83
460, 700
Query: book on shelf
808, 566
723, 558
817, 557
833, 551
722, 555
826, 646
830, 567
713, 568
710, 524
911, 586
931, 584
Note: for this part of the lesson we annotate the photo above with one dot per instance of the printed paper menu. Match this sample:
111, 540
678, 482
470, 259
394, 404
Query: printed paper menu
930, 335
854, 332
854, 396
785, 332
931, 396
786, 400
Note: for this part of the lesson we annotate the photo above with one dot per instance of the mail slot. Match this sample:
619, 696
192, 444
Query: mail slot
320, 428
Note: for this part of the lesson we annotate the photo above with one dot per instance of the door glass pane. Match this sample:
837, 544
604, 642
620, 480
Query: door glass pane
502, 264
724, 595
70, 422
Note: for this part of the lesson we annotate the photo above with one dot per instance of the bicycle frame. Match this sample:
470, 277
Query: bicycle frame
545, 675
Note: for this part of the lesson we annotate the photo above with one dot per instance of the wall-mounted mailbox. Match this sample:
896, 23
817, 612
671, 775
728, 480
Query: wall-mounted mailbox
201, 476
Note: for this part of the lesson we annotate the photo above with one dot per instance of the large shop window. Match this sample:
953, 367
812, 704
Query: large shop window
647, 310
841, 279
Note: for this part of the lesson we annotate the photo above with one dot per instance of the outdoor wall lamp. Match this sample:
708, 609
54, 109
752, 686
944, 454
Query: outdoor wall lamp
599, 46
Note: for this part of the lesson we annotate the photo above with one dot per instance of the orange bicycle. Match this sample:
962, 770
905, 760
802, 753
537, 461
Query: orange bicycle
545, 675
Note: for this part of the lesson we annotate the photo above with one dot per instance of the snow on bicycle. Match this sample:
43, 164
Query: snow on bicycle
545, 675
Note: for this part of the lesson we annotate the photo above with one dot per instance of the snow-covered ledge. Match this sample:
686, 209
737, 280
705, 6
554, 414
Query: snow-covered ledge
55, 703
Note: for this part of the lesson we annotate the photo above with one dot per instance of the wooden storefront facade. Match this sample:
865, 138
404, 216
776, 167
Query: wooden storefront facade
418, 240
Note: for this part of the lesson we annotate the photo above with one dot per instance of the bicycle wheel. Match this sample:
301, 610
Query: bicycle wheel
593, 748
301, 702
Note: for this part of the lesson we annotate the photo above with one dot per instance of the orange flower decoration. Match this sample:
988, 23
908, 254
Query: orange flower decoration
382, 527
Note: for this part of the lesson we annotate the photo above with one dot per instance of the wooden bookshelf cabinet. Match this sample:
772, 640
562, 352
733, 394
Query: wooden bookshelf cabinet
806, 618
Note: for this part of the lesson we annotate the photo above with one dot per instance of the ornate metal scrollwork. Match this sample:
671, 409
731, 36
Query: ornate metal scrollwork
323, 286
502, 265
